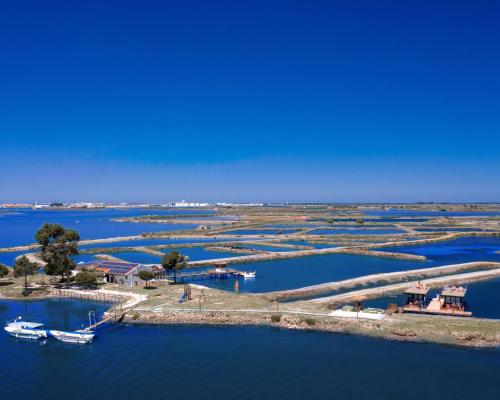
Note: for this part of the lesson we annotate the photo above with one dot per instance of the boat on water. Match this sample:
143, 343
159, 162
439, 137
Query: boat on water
248, 275
25, 329
80, 336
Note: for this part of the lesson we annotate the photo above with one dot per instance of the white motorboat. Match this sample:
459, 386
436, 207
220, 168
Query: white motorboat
80, 336
248, 275
23, 329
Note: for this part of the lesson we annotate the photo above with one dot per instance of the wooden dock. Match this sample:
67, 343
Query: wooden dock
204, 275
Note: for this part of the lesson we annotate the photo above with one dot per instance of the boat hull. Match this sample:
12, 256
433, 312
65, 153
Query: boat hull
72, 337
26, 334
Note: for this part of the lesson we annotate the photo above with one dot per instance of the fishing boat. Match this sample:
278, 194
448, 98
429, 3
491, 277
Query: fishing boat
24, 329
248, 275
81, 336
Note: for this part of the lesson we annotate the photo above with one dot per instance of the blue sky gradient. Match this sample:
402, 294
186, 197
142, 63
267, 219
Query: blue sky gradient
250, 101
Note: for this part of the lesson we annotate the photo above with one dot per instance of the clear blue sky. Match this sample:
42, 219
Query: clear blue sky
250, 100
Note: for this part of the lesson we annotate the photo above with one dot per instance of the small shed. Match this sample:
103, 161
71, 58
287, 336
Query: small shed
454, 297
416, 295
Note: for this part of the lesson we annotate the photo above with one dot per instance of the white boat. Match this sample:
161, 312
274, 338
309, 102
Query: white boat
352, 312
23, 329
248, 275
80, 336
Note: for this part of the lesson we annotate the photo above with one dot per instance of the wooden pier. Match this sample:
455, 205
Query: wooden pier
205, 275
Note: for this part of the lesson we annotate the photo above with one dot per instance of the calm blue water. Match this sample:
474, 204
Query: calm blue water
298, 272
150, 242
449, 229
261, 231
199, 253
356, 231
270, 248
394, 212
391, 219
149, 362
460, 250
291, 226
194, 254
18, 227
304, 271
9, 258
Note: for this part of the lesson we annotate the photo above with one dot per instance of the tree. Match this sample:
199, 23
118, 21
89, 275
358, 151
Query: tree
4, 270
58, 247
173, 262
87, 279
24, 267
146, 275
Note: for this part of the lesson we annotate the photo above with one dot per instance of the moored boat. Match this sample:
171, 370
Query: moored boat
80, 336
248, 275
23, 329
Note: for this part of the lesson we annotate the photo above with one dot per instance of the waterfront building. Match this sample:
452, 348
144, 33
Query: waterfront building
122, 273
416, 298
451, 301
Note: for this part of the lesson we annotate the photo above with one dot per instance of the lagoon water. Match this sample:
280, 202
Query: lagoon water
304, 271
18, 226
395, 212
356, 231
455, 251
158, 362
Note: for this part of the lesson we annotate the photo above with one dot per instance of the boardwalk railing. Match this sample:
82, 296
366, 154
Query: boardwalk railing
87, 295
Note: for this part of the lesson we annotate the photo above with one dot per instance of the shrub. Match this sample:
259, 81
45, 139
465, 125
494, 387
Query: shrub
310, 321
276, 318
135, 316
87, 279
4, 270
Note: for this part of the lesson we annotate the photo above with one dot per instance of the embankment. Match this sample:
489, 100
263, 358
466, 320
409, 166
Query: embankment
415, 274
468, 332
380, 291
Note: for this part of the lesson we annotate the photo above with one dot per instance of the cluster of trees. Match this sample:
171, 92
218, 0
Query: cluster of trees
173, 262
58, 245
